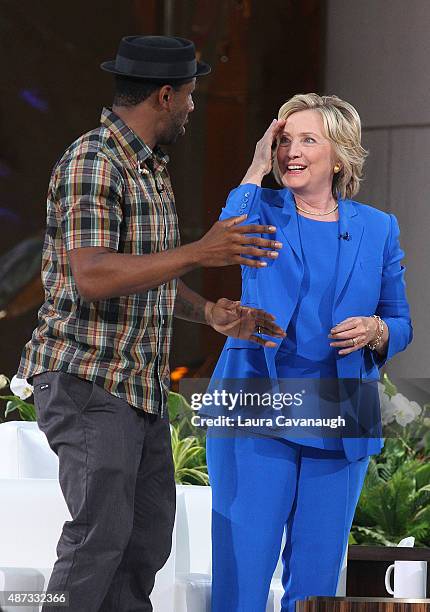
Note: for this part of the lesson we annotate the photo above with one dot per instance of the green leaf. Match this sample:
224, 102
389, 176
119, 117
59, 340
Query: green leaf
11, 406
176, 404
189, 456
26, 410
9, 397
180, 415
365, 535
422, 476
195, 475
392, 503
390, 387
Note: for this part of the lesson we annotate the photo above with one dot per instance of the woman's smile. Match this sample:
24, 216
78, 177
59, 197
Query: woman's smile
295, 169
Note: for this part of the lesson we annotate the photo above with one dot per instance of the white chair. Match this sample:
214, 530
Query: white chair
193, 548
33, 511
30, 524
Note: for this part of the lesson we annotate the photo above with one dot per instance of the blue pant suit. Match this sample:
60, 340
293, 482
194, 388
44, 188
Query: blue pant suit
263, 485
260, 487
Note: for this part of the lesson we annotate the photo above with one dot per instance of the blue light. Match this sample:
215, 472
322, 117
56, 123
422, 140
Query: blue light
33, 99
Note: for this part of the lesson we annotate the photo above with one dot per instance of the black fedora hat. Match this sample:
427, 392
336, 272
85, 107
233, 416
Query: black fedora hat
156, 58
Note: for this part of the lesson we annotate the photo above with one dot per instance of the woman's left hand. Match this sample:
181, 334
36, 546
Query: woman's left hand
353, 334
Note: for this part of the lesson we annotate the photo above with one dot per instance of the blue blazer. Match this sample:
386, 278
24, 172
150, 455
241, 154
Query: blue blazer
370, 281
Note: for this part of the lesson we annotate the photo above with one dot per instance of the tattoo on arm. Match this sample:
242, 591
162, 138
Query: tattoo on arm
189, 305
189, 311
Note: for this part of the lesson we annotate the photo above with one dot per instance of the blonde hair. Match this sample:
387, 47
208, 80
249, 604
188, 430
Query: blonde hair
343, 128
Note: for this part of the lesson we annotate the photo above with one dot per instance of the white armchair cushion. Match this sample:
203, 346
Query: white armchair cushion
22, 579
193, 525
25, 452
193, 593
31, 520
193, 549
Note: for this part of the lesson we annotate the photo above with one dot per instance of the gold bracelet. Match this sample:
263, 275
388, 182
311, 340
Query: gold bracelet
377, 341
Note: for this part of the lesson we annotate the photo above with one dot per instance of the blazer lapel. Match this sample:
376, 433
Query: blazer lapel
289, 224
350, 234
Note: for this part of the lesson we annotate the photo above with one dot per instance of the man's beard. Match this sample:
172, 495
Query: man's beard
172, 133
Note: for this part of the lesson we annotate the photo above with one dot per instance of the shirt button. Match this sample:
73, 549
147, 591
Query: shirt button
247, 194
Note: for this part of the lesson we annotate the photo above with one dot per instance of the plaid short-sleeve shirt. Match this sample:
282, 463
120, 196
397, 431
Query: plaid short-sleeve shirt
109, 189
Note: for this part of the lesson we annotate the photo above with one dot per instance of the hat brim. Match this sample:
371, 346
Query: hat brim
202, 70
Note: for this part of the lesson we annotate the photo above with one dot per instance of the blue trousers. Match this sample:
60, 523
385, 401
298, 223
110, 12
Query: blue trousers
262, 486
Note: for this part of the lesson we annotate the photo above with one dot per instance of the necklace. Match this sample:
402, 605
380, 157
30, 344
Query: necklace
315, 213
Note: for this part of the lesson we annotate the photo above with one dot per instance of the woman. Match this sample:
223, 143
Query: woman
337, 289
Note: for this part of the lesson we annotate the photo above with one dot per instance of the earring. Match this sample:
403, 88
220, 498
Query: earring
336, 168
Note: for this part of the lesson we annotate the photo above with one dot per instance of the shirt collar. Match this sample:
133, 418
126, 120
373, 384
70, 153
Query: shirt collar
133, 146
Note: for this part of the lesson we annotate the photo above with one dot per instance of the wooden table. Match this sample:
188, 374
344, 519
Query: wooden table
362, 604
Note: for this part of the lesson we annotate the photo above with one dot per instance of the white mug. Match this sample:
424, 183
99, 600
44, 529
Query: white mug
410, 579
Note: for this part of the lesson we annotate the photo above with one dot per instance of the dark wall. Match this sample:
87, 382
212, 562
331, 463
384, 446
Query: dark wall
52, 91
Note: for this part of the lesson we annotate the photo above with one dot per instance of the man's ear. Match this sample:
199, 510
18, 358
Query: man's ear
165, 95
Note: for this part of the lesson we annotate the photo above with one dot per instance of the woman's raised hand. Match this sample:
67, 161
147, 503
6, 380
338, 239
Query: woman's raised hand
263, 155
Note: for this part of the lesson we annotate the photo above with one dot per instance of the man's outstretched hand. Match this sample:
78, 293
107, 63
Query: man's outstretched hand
228, 243
232, 319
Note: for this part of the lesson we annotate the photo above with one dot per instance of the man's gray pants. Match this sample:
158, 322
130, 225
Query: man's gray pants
117, 477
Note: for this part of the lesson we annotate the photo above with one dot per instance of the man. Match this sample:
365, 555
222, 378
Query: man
98, 358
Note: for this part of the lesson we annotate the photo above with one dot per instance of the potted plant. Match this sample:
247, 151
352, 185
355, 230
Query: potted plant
395, 499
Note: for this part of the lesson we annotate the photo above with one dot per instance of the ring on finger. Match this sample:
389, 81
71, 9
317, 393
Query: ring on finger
258, 329
354, 341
